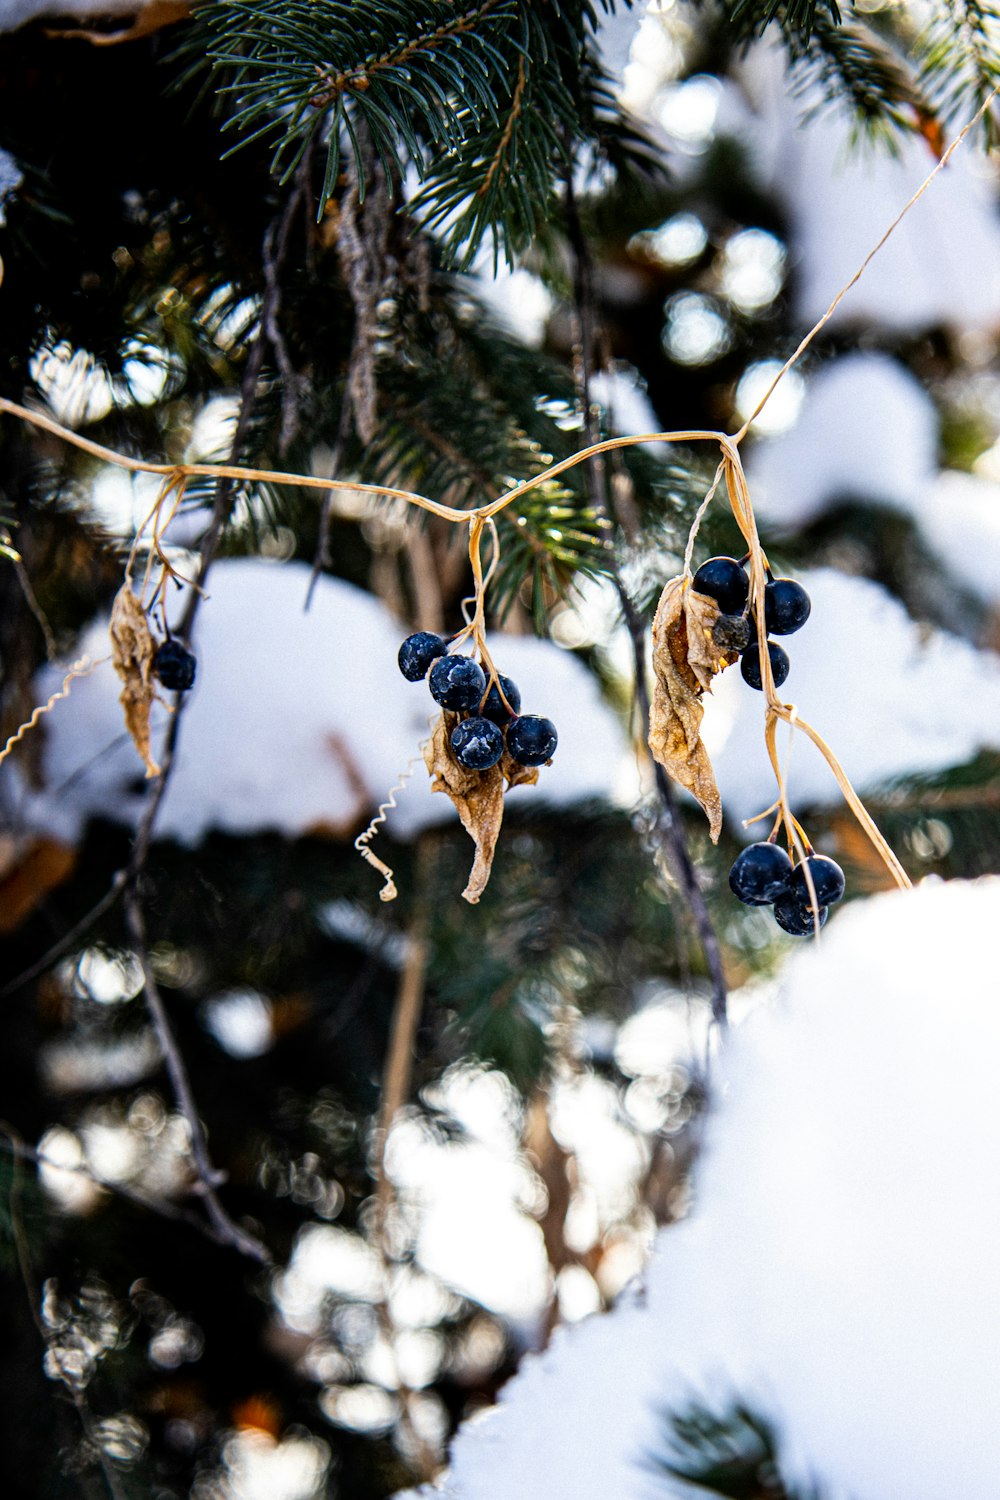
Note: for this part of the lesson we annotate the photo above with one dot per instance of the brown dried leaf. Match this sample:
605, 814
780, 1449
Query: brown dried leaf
686, 658
132, 651
515, 774
478, 798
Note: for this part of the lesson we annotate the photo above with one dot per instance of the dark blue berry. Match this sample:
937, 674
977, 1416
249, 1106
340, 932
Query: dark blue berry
750, 664
786, 606
457, 682
477, 743
494, 708
175, 666
828, 879
531, 740
795, 918
417, 652
760, 874
723, 579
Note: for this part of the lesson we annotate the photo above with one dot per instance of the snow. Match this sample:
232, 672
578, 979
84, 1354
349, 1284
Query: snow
623, 395
841, 198
298, 720
518, 300
17, 13
866, 430
838, 1271
959, 516
11, 178
891, 698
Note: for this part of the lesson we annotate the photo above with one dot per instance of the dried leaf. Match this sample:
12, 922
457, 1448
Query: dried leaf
478, 798
515, 774
132, 651
686, 657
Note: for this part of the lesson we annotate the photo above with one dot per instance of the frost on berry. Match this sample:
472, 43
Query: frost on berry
686, 658
132, 652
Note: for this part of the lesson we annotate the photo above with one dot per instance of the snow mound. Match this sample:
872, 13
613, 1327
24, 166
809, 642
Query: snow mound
866, 430
940, 266
959, 516
891, 698
838, 1272
297, 721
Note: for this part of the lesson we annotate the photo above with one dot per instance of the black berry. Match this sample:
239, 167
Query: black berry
494, 708
531, 740
477, 743
828, 880
724, 580
795, 918
750, 664
786, 606
417, 652
175, 666
457, 682
760, 875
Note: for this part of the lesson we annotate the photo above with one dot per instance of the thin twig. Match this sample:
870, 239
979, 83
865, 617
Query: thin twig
162, 1207
227, 1230
68, 939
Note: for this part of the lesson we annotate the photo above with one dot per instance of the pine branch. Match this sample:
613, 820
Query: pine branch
850, 64
475, 105
853, 67
959, 57
734, 1455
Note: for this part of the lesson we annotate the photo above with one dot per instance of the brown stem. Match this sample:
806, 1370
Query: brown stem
227, 1231
18, 1148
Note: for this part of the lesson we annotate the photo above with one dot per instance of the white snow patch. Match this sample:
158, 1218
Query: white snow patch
890, 697
839, 1269
866, 430
519, 300
941, 265
622, 393
11, 178
298, 720
959, 515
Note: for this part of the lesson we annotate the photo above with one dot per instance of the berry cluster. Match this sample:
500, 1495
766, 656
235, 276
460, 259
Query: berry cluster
494, 721
763, 875
175, 666
786, 609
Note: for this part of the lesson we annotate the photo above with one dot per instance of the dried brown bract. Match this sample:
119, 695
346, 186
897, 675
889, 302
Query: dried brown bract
478, 799
132, 651
686, 658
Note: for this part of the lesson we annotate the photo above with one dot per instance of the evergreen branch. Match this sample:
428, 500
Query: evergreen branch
499, 161
959, 58
734, 1456
849, 64
301, 72
477, 106
852, 66
798, 16
360, 78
